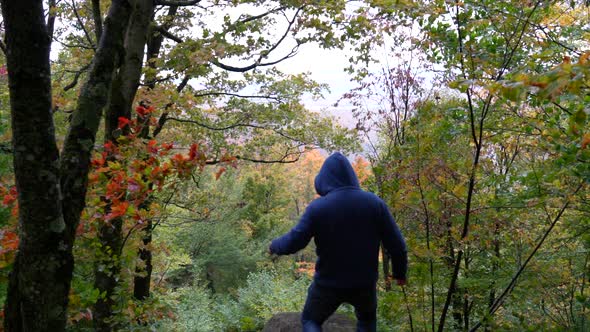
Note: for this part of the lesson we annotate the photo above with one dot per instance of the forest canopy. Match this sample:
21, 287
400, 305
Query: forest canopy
150, 150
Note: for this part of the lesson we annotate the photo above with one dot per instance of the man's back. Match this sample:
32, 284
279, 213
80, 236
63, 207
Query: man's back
347, 235
347, 225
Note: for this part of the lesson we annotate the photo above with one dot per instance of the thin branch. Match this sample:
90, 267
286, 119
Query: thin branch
168, 35
127, 236
562, 108
282, 160
80, 45
254, 65
76, 77
164, 117
176, 3
235, 125
500, 300
82, 25
264, 54
256, 17
206, 94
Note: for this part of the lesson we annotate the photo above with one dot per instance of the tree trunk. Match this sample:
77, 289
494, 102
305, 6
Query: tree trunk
51, 194
143, 274
143, 271
122, 93
39, 281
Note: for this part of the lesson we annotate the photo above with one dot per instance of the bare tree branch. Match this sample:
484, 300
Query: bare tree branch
97, 15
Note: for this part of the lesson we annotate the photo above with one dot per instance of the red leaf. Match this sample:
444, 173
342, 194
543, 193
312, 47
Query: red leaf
193, 151
98, 162
144, 111
152, 147
115, 188
167, 146
10, 197
109, 147
80, 229
123, 121
9, 242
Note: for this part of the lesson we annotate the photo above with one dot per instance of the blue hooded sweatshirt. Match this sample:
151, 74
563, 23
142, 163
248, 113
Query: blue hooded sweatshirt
348, 225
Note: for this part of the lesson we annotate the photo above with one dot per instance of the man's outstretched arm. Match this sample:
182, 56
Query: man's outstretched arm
296, 239
395, 244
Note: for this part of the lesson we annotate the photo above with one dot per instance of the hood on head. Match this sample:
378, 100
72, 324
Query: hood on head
336, 172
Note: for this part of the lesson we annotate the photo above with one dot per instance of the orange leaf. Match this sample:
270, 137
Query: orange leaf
117, 210
219, 172
9, 242
585, 140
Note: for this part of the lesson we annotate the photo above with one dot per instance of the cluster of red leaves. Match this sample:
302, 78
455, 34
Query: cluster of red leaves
121, 179
8, 236
125, 174
10, 199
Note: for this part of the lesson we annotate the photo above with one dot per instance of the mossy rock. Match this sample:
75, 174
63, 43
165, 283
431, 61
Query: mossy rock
291, 322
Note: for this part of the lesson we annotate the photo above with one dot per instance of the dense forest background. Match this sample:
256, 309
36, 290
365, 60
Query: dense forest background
151, 149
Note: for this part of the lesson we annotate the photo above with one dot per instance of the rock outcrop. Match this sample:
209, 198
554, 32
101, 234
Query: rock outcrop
291, 322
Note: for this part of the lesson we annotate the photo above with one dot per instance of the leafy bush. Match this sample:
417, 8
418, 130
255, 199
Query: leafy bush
195, 311
266, 293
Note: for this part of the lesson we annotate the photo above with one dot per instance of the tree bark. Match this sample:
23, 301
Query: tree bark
39, 282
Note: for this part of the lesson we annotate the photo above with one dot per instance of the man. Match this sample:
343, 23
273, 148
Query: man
348, 225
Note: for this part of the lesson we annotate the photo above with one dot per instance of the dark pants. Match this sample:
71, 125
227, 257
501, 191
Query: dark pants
323, 301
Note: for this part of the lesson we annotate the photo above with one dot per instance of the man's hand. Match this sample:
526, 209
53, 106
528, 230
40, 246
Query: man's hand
273, 256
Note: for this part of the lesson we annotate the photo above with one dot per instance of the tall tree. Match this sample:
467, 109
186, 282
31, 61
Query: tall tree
51, 187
